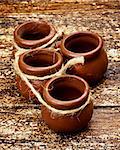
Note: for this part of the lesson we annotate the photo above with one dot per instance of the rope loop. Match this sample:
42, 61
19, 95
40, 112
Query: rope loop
62, 71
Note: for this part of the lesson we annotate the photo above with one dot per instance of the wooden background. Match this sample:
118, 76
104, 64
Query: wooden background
21, 125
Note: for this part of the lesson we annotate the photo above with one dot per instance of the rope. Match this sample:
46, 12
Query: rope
62, 71
57, 35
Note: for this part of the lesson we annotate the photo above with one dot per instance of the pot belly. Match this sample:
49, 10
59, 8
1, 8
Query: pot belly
93, 70
68, 123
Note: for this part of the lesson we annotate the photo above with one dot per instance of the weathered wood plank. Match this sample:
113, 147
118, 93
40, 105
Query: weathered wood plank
47, 6
25, 128
56, 1
21, 126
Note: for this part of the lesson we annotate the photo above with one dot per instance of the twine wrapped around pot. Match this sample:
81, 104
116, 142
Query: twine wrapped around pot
62, 71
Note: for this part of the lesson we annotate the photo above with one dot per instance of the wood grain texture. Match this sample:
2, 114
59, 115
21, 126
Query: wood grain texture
25, 128
21, 125
54, 7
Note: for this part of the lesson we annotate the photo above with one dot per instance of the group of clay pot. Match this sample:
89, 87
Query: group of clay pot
68, 91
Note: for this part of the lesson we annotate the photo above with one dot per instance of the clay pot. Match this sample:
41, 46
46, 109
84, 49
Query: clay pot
40, 62
89, 45
33, 34
67, 92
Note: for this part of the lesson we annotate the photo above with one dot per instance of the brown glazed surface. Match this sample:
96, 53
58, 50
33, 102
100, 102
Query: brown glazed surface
33, 34
40, 62
65, 93
89, 45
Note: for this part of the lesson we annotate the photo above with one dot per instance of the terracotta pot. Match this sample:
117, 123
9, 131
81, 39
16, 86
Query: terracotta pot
89, 45
67, 92
33, 34
40, 62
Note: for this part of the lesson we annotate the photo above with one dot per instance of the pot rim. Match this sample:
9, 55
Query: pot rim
70, 104
30, 43
89, 54
24, 66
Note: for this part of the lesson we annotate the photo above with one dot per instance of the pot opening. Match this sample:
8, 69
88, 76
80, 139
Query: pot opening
81, 43
41, 59
66, 88
34, 31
